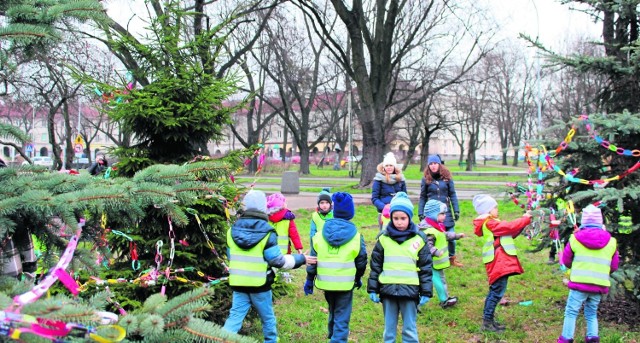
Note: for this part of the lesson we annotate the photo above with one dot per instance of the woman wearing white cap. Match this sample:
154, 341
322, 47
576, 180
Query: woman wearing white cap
387, 182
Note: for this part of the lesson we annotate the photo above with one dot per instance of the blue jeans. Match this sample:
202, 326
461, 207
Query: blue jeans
263, 303
340, 304
409, 310
574, 303
496, 292
452, 244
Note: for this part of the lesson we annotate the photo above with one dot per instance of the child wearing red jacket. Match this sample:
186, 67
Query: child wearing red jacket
282, 220
499, 253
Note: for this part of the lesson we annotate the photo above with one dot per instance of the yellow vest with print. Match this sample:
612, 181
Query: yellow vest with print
442, 245
488, 252
400, 260
247, 267
282, 230
336, 265
590, 265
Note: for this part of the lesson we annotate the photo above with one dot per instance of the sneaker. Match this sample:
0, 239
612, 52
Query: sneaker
551, 261
489, 326
449, 302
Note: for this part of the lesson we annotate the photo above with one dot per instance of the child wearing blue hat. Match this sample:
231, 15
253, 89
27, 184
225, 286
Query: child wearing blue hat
400, 275
433, 226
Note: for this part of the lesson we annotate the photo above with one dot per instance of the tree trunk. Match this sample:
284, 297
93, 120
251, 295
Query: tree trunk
424, 154
515, 157
374, 146
304, 160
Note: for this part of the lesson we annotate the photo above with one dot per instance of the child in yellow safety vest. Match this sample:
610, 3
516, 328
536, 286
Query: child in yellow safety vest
283, 221
342, 260
253, 251
401, 271
499, 253
433, 226
323, 212
592, 255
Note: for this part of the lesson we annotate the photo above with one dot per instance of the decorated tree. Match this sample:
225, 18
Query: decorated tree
600, 163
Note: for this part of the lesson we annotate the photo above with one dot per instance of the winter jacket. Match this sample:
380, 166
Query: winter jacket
503, 264
442, 189
294, 236
451, 236
248, 231
424, 265
382, 191
592, 238
337, 232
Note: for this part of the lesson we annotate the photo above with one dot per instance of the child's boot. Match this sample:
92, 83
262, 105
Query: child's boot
488, 326
593, 339
454, 262
449, 302
564, 340
498, 325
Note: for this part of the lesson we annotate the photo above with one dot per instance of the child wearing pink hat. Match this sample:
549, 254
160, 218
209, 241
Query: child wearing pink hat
282, 220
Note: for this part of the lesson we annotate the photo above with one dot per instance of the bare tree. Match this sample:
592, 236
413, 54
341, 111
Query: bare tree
390, 40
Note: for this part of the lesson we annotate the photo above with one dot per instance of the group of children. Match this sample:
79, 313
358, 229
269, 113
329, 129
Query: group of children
407, 262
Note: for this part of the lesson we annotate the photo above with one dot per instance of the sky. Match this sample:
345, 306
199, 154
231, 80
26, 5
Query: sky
552, 22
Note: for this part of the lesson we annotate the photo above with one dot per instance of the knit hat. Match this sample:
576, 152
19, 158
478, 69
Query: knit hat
325, 194
434, 159
343, 205
275, 202
434, 207
255, 200
591, 216
484, 203
401, 202
389, 159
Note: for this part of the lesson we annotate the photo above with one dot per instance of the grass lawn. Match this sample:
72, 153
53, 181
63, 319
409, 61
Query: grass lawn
304, 318
412, 172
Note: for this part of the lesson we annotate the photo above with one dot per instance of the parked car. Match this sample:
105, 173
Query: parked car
352, 158
40, 161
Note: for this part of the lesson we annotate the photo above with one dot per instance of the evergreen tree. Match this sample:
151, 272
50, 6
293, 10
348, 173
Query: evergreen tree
178, 107
613, 148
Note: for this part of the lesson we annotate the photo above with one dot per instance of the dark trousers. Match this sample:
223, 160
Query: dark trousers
496, 292
340, 304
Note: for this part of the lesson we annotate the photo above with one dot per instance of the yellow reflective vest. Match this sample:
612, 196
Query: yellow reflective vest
247, 267
336, 269
400, 260
488, 252
590, 265
319, 221
442, 245
282, 230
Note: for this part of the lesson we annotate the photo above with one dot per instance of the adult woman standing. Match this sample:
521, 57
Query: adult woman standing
387, 182
437, 184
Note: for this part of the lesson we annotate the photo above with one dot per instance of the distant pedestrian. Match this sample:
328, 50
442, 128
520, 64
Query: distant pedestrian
499, 253
437, 184
253, 251
342, 260
387, 182
592, 255
99, 166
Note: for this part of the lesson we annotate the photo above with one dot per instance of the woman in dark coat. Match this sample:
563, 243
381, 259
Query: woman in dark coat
387, 182
437, 184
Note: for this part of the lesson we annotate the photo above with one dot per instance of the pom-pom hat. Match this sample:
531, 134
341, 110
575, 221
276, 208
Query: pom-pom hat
275, 203
343, 207
255, 200
401, 202
389, 160
484, 203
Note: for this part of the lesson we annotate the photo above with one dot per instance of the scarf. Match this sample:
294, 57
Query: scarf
400, 236
435, 224
393, 178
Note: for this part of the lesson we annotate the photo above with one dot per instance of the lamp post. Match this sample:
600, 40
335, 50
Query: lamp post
538, 95
351, 157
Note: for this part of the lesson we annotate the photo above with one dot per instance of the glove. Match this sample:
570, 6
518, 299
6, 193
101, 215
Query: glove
308, 287
456, 216
423, 300
374, 297
358, 283
421, 217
